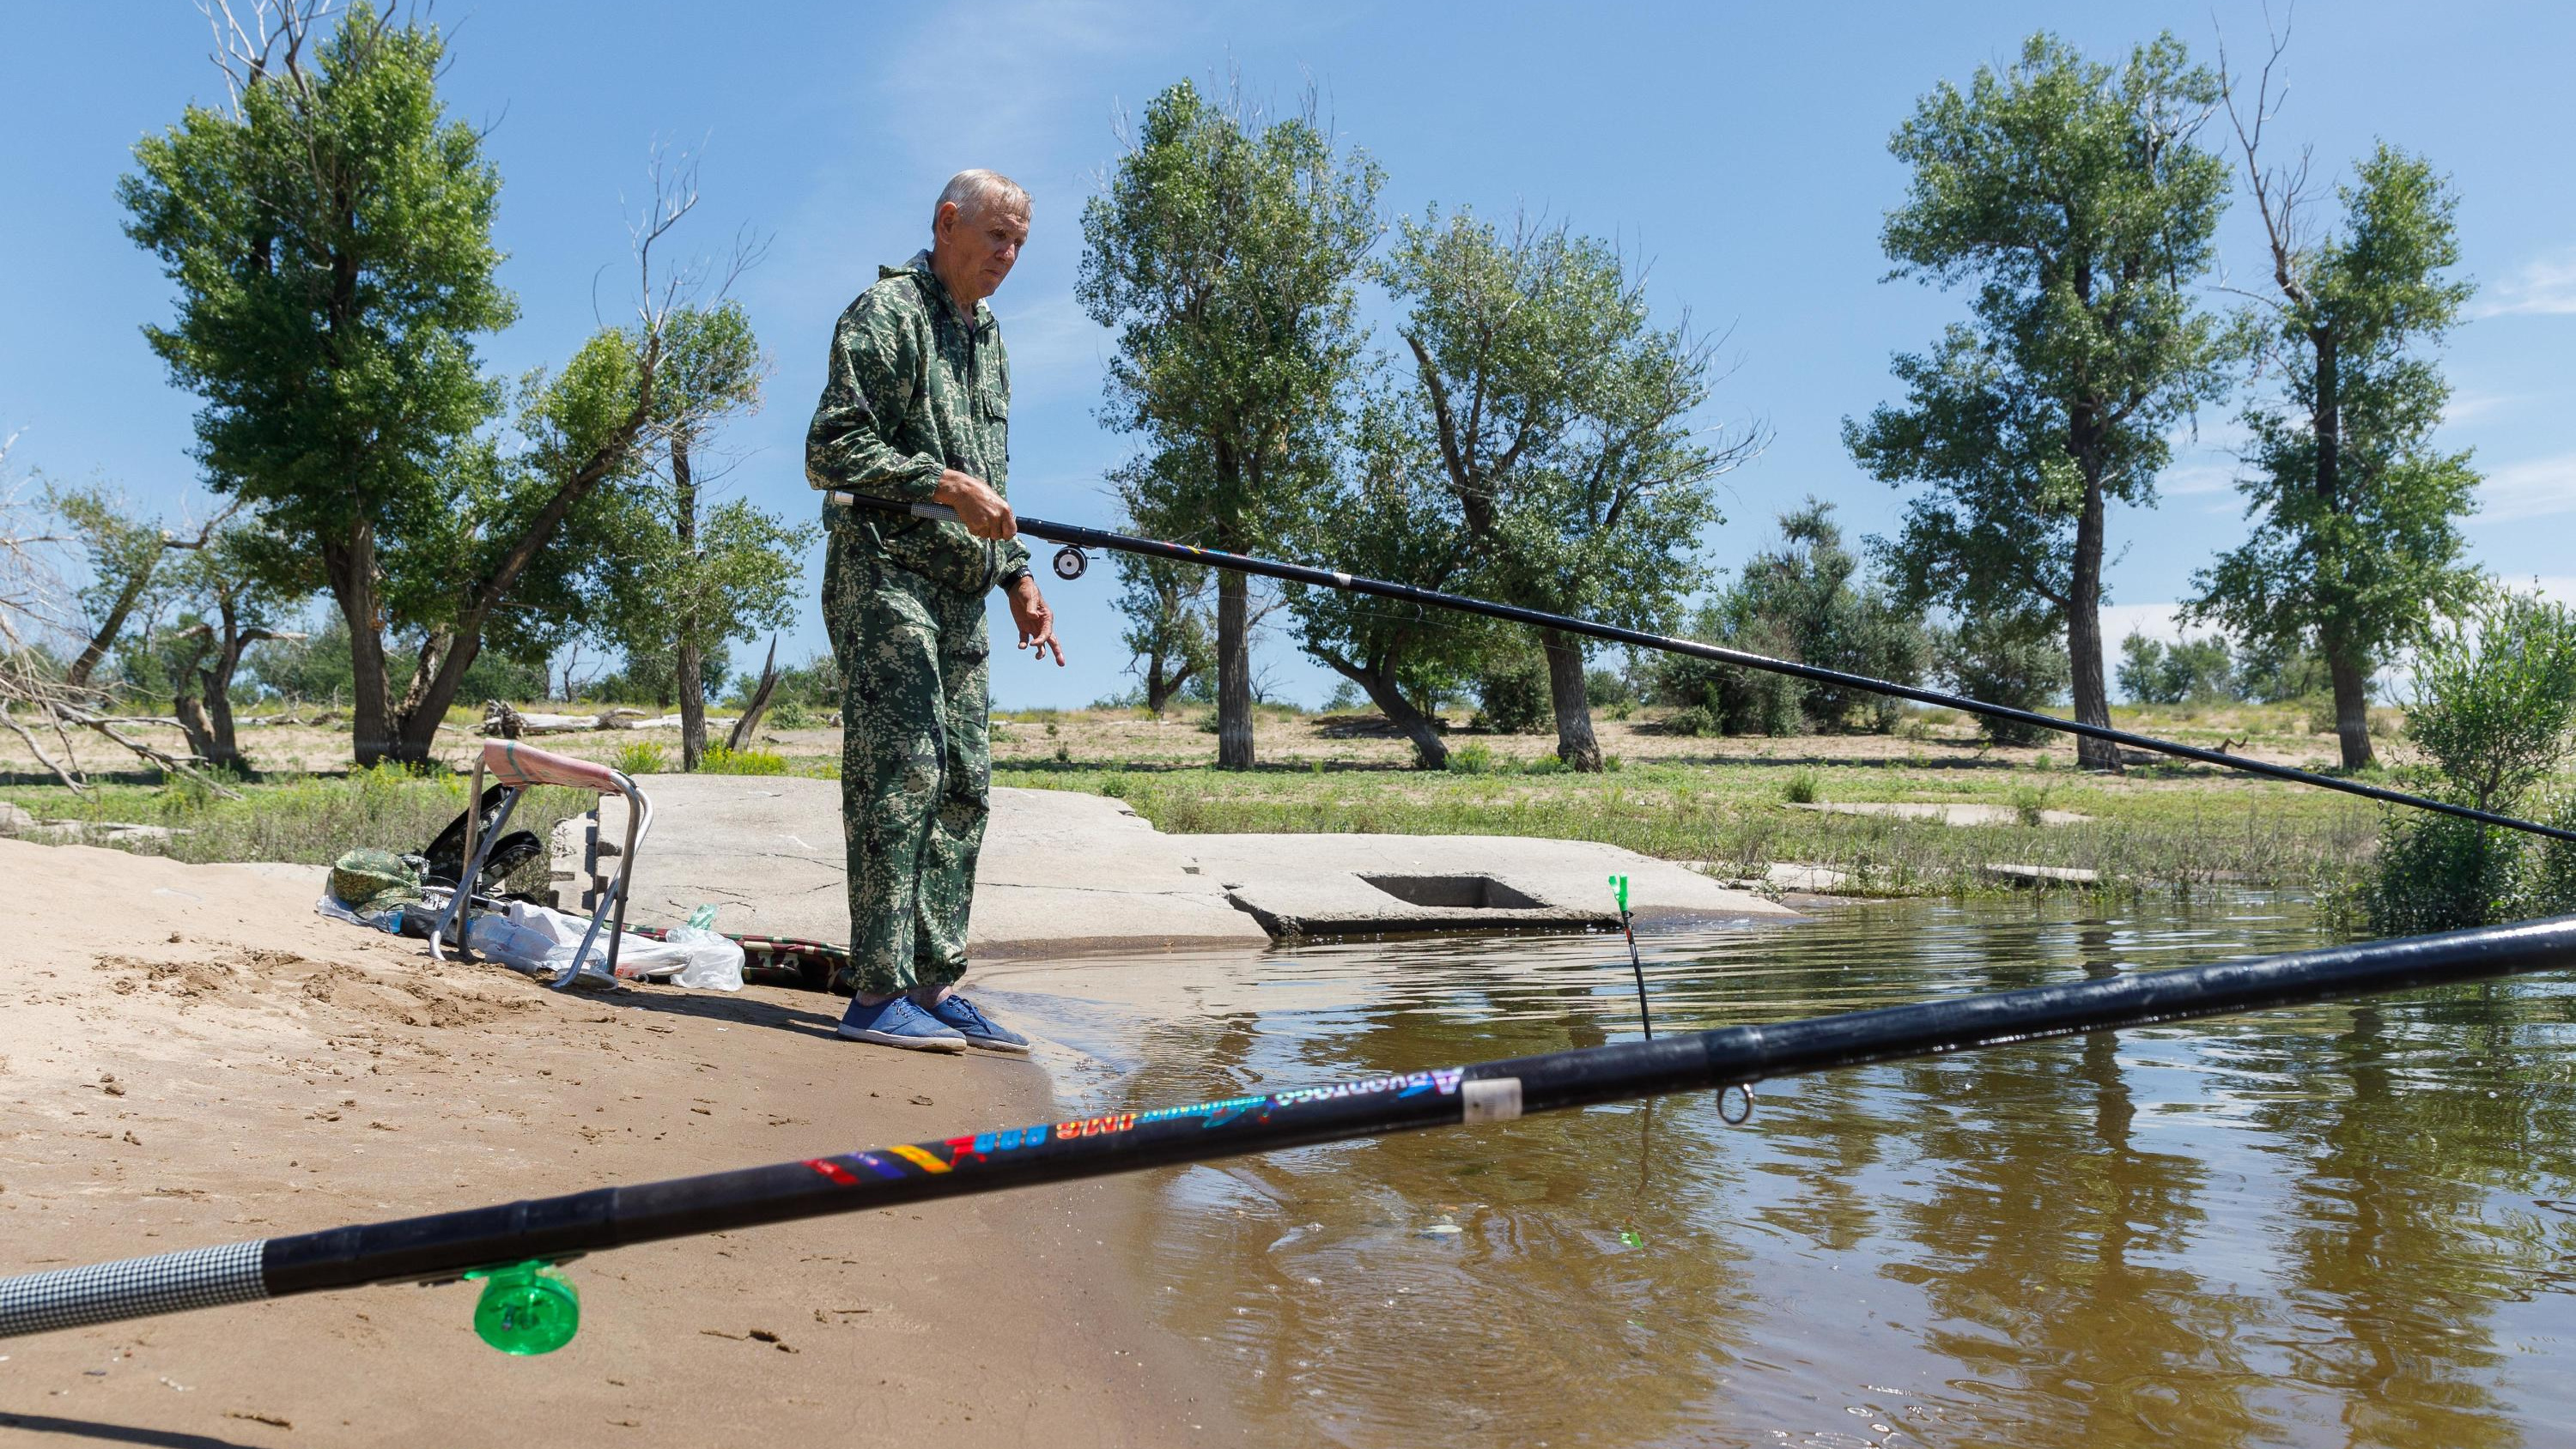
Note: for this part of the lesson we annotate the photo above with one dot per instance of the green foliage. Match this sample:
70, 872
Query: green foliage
1797, 602
2016, 662
1225, 252
2076, 200
1170, 639
674, 577
2030, 804
722, 761
311, 670
1608, 688
1802, 788
1512, 687
644, 757
2356, 544
1391, 515
1559, 420
2495, 706
1472, 758
2495, 698
1805, 589
2187, 671
2276, 671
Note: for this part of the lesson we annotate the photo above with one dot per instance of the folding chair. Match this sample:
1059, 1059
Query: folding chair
516, 767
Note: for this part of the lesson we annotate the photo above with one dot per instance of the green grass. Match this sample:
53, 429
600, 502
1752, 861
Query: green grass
310, 821
721, 761
2156, 828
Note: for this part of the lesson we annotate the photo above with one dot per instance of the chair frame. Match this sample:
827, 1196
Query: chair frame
519, 767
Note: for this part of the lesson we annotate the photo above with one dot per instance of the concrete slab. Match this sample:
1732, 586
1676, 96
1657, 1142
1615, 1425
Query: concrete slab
1347, 884
1060, 871
1947, 814
2038, 875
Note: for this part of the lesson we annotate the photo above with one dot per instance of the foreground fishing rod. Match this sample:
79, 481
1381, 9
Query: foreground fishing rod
1070, 564
526, 1308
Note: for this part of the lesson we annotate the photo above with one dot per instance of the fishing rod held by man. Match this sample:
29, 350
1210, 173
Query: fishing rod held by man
1079, 537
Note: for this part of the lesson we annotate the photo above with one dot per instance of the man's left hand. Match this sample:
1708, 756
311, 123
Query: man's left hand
1037, 622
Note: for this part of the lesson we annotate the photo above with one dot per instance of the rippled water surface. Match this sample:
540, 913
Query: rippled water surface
2338, 1225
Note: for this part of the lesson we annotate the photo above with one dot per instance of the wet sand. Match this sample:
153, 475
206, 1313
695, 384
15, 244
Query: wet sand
190, 1056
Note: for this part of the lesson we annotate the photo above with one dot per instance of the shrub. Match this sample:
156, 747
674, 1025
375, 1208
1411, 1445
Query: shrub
1697, 721
2494, 705
1514, 694
721, 761
643, 757
2009, 660
2029, 803
1472, 758
1800, 788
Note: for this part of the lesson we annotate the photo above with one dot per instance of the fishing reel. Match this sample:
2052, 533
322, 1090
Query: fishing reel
1070, 562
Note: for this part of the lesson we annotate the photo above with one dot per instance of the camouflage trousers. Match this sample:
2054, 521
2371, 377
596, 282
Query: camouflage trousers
916, 764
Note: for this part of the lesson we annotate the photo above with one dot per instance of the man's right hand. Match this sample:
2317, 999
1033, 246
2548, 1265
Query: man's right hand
982, 510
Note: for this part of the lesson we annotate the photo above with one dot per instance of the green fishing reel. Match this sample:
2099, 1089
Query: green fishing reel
526, 1308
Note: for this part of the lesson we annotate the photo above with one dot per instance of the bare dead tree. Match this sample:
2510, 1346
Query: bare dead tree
35, 611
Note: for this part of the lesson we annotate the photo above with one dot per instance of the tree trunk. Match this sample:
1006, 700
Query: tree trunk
687, 664
2084, 637
187, 703
1161, 685
1574, 742
759, 703
349, 562
113, 625
1233, 672
2351, 674
1430, 752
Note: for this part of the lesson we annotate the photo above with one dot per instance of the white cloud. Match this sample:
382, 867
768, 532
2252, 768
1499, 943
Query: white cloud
2545, 284
2467, 407
2533, 488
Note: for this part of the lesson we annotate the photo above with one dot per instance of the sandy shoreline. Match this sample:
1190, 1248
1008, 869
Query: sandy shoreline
189, 1056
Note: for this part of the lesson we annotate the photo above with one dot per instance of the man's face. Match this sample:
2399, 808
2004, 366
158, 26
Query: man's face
981, 245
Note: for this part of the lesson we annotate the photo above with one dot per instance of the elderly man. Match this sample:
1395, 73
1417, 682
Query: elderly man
917, 408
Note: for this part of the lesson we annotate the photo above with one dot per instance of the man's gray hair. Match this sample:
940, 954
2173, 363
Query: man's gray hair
977, 189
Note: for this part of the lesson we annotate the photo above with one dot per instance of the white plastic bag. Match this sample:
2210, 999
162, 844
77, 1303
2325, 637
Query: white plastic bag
534, 938
715, 963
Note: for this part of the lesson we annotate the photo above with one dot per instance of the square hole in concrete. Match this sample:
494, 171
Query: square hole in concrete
1454, 892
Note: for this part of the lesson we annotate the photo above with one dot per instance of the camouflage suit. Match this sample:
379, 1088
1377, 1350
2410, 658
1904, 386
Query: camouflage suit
913, 389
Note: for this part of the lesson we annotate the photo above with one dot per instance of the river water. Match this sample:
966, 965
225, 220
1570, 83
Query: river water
2344, 1225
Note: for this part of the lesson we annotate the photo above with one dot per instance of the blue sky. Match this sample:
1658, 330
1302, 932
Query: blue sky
1741, 148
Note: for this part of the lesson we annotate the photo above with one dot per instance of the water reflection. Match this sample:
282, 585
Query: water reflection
2344, 1225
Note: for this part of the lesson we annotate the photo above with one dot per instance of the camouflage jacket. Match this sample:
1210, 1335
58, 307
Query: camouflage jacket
913, 389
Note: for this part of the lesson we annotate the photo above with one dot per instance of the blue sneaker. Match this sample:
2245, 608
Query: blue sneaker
896, 1022
978, 1029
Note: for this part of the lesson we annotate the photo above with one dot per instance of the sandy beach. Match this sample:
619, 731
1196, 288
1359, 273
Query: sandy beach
189, 1055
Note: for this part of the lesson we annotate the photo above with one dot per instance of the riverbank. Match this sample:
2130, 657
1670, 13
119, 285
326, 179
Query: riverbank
1739, 805
191, 1056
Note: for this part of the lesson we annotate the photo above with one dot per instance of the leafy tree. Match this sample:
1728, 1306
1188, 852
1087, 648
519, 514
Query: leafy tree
678, 578
123, 553
1561, 420
330, 235
1168, 640
2076, 199
1392, 516
2274, 671
229, 600
1807, 586
1225, 252
2356, 542
2186, 671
